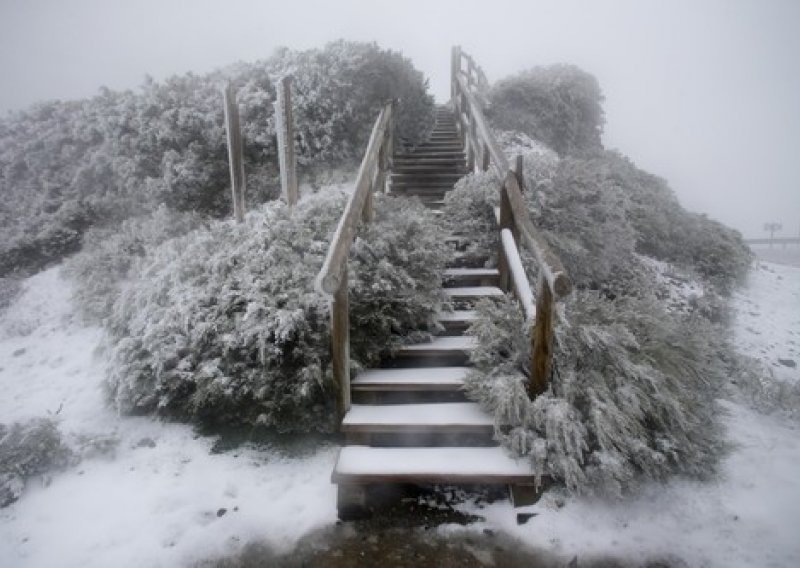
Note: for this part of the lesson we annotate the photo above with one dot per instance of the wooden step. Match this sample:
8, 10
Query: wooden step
471, 276
473, 292
439, 347
431, 419
363, 465
457, 320
423, 379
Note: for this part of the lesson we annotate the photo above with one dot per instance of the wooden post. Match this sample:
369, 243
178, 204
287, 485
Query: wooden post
235, 158
486, 161
284, 125
340, 344
506, 222
455, 67
473, 141
518, 171
542, 338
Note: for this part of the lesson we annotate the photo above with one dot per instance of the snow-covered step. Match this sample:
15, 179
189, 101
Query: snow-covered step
471, 276
403, 380
447, 346
473, 292
432, 418
362, 465
458, 319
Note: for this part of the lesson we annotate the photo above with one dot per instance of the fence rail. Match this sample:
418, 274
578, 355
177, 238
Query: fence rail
514, 220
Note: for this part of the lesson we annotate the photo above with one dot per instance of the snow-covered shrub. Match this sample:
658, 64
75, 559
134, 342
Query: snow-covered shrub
28, 449
561, 105
396, 282
224, 326
468, 213
109, 253
339, 90
9, 290
68, 166
599, 209
632, 395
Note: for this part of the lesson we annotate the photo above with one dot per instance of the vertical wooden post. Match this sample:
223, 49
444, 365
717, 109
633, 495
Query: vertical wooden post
235, 158
473, 141
506, 222
518, 171
485, 162
340, 344
455, 67
542, 338
284, 125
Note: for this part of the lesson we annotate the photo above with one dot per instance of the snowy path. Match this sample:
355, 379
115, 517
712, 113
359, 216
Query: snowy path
158, 499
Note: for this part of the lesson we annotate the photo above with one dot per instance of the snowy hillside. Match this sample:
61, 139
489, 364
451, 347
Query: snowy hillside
148, 493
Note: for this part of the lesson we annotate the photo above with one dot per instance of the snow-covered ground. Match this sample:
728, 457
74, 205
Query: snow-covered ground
162, 498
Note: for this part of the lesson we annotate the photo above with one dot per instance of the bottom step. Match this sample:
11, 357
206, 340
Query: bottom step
363, 465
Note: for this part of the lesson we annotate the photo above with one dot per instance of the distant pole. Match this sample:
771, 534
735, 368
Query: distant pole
235, 158
772, 228
284, 124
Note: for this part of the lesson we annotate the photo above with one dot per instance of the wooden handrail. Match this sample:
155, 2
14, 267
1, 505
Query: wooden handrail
332, 278
515, 224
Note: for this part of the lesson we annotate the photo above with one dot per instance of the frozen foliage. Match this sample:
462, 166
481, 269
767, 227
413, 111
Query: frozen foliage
109, 254
468, 213
632, 396
223, 326
69, 166
559, 105
598, 210
28, 449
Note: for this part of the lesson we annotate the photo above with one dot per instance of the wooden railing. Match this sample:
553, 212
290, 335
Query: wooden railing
332, 279
513, 219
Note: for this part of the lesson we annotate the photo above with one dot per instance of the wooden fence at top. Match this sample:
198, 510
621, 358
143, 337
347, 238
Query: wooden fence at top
513, 219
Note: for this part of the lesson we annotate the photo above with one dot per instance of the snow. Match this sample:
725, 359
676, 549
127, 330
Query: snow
768, 315
454, 343
416, 376
473, 291
362, 460
139, 505
435, 414
154, 500
458, 316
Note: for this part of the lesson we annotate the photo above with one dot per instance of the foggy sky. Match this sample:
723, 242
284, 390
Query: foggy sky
703, 93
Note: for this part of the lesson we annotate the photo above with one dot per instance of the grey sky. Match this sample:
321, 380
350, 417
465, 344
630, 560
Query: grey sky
703, 93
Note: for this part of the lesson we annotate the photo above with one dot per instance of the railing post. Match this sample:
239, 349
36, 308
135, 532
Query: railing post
486, 160
235, 158
518, 171
473, 140
285, 129
455, 67
506, 222
542, 338
340, 344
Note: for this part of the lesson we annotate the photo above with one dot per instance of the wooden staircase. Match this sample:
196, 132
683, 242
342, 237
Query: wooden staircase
409, 421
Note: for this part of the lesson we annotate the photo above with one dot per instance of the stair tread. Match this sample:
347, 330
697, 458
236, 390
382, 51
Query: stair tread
416, 377
416, 417
465, 464
473, 291
458, 315
443, 343
474, 272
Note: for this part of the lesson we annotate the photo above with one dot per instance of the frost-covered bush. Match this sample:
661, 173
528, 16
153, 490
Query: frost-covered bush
224, 326
468, 213
561, 105
632, 395
109, 253
597, 210
28, 449
68, 166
